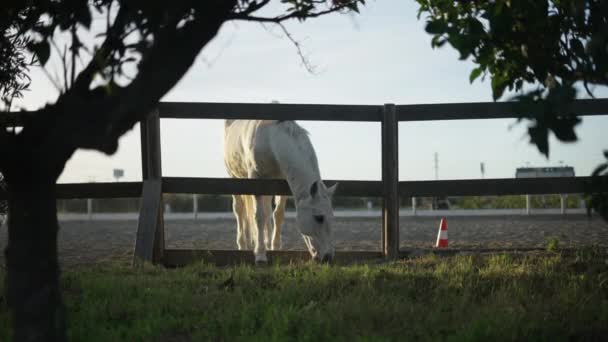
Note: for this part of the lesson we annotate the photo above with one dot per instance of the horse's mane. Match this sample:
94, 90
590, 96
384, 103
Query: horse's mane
293, 129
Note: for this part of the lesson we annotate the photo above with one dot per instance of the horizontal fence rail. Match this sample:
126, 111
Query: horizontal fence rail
486, 110
364, 113
350, 188
178, 257
331, 112
269, 111
94, 190
346, 188
16, 119
226, 186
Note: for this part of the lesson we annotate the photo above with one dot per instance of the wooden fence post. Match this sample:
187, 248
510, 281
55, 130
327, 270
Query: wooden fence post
150, 240
390, 181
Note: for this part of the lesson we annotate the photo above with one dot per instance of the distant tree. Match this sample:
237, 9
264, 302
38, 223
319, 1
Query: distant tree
141, 50
542, 49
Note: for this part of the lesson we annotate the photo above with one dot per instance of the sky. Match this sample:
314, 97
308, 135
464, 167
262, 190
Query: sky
381, 56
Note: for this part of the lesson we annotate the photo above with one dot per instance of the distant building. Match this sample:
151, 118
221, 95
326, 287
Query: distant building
536, 172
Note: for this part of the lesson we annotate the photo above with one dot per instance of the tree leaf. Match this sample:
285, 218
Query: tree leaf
499, 84
42, 50
564, 128
436, 27
577, 46
539, 136
475, 73
599, 169
85, 17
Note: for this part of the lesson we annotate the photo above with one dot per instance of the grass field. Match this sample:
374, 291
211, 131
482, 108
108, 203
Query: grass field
550, 296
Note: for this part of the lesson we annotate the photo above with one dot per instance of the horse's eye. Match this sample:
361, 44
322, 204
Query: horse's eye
319, 218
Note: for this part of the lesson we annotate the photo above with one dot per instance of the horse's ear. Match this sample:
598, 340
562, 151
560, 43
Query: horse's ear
332, 189
314, 189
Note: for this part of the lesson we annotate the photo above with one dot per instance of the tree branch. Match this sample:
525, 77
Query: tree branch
254, 7
84, 79
281, 18
109, 115
309, 67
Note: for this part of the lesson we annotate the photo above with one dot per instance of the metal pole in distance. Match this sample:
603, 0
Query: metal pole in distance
390, 180
90, 208
414, 206
195, 205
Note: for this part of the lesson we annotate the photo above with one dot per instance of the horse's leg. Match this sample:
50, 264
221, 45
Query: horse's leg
267, 223
249, 220
278, 216
240, 211
262, 208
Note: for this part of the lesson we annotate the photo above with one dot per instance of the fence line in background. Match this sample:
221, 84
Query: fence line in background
150, 243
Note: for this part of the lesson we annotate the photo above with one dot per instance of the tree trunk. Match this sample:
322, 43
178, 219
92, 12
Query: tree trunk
33, 270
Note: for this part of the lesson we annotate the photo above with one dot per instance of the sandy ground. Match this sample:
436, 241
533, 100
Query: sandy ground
83, 242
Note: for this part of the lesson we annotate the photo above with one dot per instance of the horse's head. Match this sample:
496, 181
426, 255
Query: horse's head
314, 219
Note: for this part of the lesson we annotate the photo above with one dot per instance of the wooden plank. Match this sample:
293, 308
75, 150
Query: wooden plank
99, 190
158, 252
269, 111
147, 226
226, 186
151, 151
153, 170
347, 188
390, 180
466, 187
383, 168
491, 187
181, 257
93, 190
150, 241
15, 119
443, 252
143, 135
485, 110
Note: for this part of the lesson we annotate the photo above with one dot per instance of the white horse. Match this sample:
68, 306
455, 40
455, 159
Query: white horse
278, 149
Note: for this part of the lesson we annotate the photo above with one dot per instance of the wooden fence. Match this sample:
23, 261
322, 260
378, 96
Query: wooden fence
150, 243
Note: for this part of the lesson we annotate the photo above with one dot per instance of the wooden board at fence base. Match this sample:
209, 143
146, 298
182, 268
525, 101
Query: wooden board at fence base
181, 257
149, 242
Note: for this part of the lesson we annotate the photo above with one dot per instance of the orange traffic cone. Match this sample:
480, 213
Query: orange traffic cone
442, 235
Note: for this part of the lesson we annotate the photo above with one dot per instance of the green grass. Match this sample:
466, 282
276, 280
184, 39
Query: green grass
548, 297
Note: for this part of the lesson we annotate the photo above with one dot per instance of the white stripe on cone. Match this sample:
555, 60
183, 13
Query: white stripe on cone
442, 235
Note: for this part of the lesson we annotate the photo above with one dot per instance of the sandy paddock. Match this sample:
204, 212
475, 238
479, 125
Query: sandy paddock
82, 242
